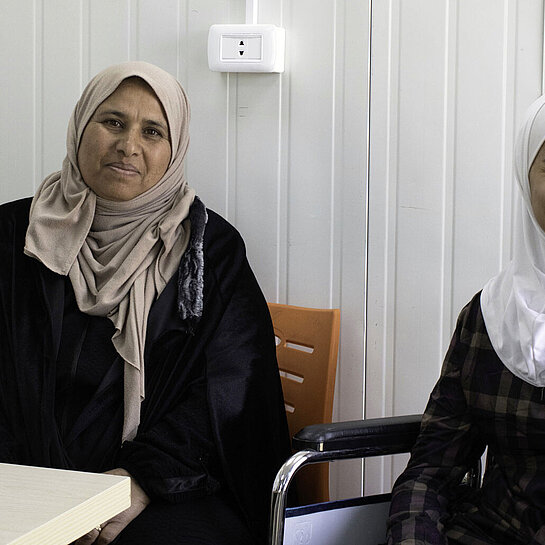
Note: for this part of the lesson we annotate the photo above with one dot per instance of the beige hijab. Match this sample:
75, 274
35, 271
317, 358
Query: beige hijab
118, 255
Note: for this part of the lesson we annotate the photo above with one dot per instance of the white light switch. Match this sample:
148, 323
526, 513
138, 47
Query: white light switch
246, 48
241, 47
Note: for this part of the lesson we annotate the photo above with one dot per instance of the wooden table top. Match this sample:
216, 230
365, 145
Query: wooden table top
55, 507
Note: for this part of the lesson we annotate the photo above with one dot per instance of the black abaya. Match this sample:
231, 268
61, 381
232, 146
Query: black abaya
212, 427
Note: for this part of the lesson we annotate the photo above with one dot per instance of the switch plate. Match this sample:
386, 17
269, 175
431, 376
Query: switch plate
246, 48
233, 48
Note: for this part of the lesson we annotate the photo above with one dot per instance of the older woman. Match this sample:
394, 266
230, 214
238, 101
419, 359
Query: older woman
134, 338
490, 393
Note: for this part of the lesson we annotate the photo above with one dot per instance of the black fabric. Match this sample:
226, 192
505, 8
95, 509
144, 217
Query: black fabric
210, 520
89, 387
213, 412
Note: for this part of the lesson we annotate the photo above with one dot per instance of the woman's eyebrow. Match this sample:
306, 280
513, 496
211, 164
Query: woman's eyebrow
110, 112
156, 124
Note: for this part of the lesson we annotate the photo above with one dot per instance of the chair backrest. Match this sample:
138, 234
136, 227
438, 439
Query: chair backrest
307, 344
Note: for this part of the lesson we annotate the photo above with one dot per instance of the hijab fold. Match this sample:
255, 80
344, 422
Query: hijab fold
119, 256
513, 302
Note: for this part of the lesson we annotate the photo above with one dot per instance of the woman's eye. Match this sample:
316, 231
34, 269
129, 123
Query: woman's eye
113, 123
153, 132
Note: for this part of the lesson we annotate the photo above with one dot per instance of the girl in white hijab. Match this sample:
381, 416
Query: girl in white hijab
490, 393
513, 302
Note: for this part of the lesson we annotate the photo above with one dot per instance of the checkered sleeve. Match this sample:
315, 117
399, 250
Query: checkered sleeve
447, 446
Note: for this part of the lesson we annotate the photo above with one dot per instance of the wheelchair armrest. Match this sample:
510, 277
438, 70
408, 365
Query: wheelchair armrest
337, 441
372, 437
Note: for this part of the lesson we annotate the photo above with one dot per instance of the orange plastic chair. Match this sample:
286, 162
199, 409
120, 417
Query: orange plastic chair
307, 345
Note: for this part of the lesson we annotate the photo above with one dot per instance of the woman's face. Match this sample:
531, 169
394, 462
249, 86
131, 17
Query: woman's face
537, 186
125, 147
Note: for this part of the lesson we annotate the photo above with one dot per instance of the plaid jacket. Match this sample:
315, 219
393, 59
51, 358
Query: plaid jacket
476, 402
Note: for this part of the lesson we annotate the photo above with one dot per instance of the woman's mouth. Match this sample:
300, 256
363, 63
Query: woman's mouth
125, 169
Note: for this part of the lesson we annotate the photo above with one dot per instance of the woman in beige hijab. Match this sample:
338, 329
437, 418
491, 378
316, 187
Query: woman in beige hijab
134, 338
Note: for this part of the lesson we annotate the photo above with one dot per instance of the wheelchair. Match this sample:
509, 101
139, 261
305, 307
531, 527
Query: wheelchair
341, 441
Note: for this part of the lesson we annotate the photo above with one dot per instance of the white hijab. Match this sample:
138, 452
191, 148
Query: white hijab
513, 302
119, 255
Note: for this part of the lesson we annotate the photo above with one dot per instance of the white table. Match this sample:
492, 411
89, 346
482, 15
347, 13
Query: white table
55, 507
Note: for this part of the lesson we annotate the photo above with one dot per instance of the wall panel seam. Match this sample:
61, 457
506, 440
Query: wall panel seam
232, 82
449, 175
85, 46
38, 98
284, 292
392, 182
391, 216
543, 49
337, 37
366, 232
507, 124
281, 194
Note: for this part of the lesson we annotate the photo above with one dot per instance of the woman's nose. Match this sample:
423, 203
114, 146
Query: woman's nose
129, 142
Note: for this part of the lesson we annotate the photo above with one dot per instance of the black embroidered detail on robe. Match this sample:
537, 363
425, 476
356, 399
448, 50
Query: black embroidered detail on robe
191, 270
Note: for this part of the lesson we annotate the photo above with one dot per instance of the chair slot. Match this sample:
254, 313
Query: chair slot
291, 376
301, 347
